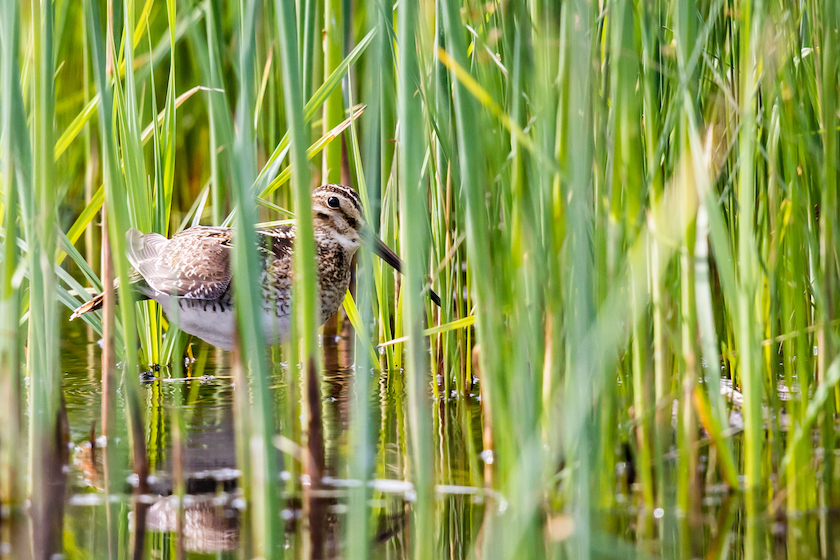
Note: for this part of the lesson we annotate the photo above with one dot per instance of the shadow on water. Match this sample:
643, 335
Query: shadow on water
209, 521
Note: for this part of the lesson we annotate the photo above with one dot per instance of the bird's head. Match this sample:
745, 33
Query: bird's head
337, 212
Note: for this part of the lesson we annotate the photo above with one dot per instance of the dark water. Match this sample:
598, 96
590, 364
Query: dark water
211, 522
212, 515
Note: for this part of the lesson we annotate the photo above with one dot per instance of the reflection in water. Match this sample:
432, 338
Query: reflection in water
210, 523
213, 507
211, 515
337, 378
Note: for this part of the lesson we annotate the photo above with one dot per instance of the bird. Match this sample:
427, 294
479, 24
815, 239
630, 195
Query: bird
190, 274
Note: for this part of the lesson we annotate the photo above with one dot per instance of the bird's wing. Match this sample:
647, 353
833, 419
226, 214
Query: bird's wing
278, 241
194, 264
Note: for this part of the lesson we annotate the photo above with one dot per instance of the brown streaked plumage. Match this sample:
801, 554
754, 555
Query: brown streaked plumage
189, 275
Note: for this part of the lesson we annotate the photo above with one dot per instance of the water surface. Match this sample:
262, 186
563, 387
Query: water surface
210, 524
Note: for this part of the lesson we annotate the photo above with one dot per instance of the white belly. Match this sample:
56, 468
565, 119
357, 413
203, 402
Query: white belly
218, 327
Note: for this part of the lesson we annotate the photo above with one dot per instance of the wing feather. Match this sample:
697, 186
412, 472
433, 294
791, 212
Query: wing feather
194, 264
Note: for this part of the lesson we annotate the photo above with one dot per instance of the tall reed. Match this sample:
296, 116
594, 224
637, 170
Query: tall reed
39, 219
257, 449
413, 231
11, 378
632, 202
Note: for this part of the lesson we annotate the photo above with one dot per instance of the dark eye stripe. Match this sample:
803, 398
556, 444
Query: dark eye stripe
348, 192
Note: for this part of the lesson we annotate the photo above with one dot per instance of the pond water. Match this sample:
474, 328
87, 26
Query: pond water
211, 523
213, 503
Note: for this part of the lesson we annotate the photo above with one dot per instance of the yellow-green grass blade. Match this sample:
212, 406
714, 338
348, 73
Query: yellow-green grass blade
439, 329
472, 86
415, 249
358, 325
312, 151
75, 128
95, 205
318, 98
305, 287
286, 174
40, 230
257, 452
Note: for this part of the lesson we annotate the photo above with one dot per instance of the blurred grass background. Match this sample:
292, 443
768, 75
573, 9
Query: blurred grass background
621, 202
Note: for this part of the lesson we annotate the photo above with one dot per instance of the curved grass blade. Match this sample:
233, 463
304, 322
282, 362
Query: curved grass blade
439, 329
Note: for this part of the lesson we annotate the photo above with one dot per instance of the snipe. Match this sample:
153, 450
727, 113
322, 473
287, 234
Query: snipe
190, 275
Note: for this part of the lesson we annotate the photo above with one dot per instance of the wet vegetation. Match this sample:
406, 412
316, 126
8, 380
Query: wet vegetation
629, 207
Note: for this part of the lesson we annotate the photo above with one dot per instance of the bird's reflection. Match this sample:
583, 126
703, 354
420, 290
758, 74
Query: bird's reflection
211, 515
338, 376
210, 524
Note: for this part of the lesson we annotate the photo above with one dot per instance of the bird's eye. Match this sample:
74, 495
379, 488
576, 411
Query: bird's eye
333, 202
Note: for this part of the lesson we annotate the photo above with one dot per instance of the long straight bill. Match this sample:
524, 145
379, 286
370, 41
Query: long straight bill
386, 254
